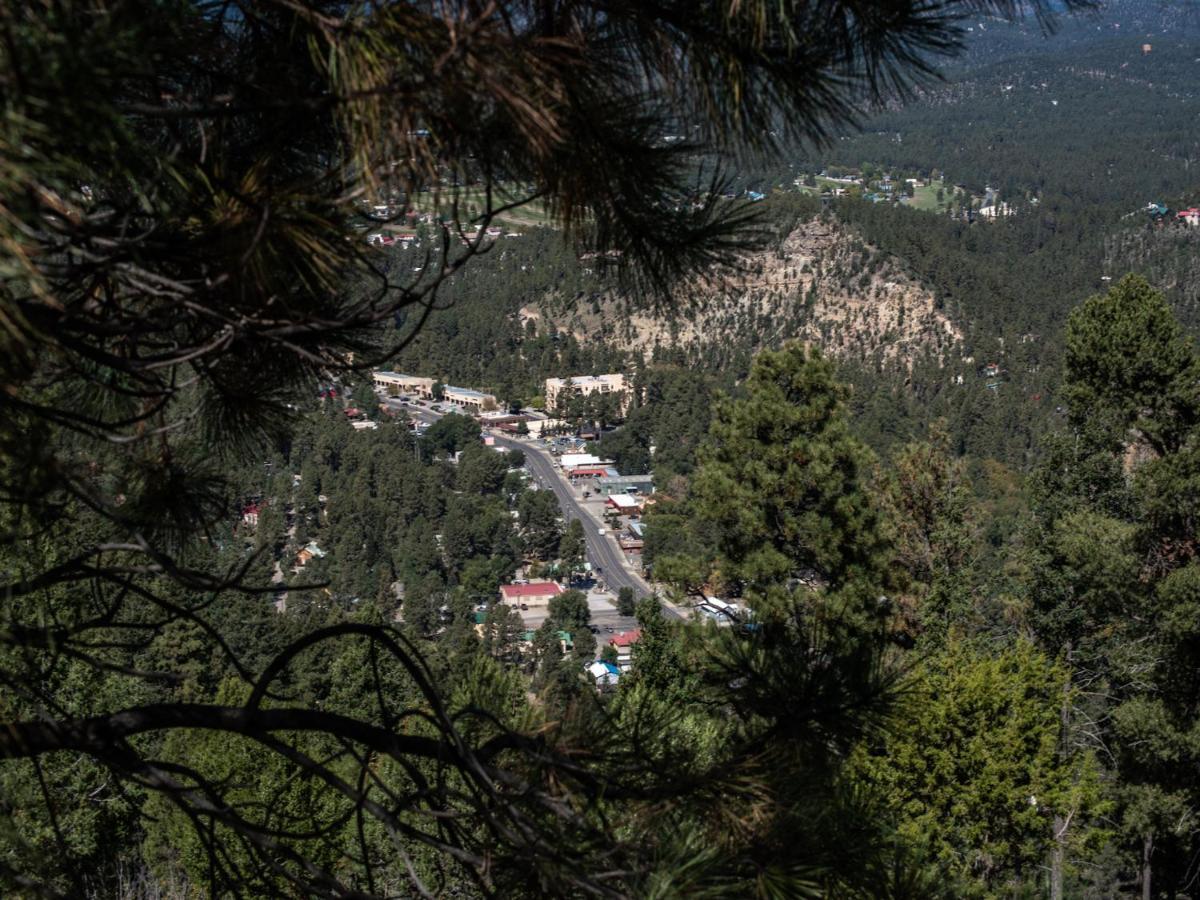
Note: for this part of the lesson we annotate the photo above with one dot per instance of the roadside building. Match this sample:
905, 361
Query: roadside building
559, 391
404, 384
589, 473
569, 462
631, 542
624, 504
625, 484
501, 419
476, 401
537, 593
539, 427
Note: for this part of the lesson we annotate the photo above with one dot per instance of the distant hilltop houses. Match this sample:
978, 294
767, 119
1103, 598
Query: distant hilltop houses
409, 238
1161, 214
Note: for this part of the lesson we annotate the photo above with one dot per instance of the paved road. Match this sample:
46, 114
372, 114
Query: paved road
602, 552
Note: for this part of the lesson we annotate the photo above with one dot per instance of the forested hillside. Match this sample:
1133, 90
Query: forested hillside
1076, 132
896, 595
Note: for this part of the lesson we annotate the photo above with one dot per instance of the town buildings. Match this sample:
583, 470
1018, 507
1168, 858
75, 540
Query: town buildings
559, 391
404, 384
537, 593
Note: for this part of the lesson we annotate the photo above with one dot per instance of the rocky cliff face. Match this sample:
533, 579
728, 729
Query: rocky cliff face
821, 284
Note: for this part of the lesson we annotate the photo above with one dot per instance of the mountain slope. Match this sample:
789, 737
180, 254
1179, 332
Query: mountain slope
822, 284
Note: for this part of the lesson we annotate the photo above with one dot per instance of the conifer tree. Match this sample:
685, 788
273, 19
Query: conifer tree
786, 485
1113, 562
184, 189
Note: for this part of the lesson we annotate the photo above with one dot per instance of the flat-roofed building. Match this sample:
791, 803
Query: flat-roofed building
469, 399
625, 484
404, 384
560, 390
571, 461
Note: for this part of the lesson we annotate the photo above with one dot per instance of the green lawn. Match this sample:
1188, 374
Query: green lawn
471, 201
926, 197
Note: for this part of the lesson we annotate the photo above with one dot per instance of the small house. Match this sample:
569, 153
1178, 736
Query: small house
604, 674
623, 643
310, 552
250, 514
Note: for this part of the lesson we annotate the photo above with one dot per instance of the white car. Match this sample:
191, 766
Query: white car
602, 532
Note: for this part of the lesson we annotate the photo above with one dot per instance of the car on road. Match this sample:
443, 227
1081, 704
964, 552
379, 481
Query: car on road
602, 532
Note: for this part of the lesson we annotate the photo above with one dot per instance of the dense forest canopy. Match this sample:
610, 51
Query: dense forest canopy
916, 625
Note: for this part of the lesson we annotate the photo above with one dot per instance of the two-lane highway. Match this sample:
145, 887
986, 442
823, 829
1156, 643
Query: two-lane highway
604, 556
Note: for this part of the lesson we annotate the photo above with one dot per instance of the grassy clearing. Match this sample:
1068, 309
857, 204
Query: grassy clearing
926, 197
472, 200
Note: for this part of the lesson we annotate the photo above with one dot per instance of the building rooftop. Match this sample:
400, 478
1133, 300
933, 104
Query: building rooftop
595, 471
625, 501
466, 392
501, 414
626, 638
626, 479
537, 589
580, 380
390, 374
573, 460
600, 668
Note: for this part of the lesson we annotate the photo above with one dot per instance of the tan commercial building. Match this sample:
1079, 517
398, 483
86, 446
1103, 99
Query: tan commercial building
560, 390
469, 399
404, 384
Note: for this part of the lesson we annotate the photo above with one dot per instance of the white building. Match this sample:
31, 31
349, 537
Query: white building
560, 390
569, 461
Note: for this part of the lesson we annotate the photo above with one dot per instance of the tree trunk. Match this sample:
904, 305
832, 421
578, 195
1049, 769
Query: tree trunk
1057, 857
1147, 850
1058, 851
